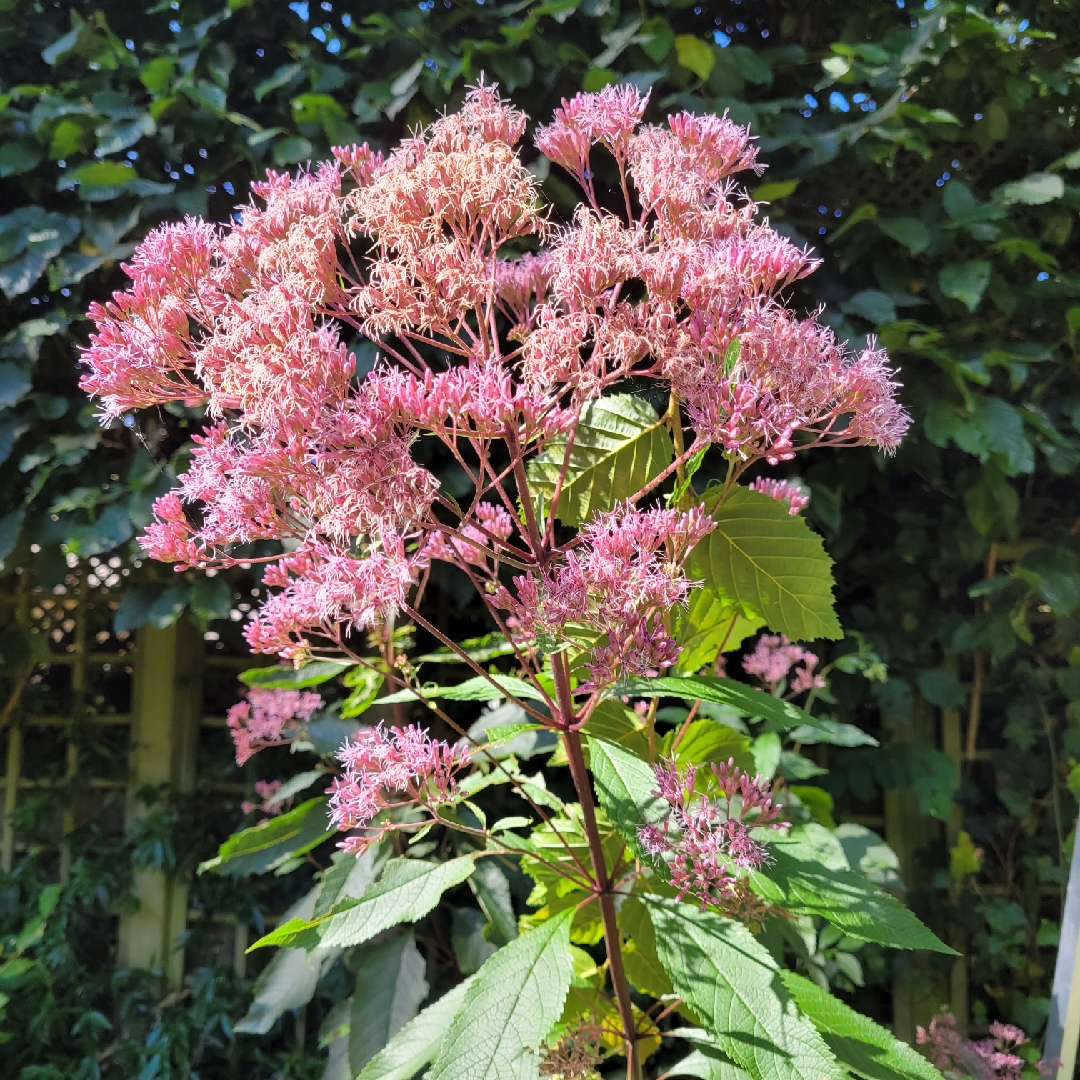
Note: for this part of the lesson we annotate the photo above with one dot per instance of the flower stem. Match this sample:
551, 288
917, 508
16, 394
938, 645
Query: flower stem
612, 937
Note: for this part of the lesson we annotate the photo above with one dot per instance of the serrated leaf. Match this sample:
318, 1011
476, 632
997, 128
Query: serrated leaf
619, 446
626, 786
800, 884
515, 1001
390, 986
640, 959
263, 846
349, 876
770, 564
750, 702
707, 1063
406, 892
286, 678
475, 689
419, 1040
733, 984
865, 1048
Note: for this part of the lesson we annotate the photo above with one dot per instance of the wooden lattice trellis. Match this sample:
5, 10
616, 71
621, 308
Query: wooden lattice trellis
139, 701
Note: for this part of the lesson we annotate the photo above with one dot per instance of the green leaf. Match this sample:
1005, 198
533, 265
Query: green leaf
643, 967
515, 1001
366, 683
695, 54
625, 786
287, 678
870, 304
756, 704
295, 784
733, 984
798, 882
264, 846
19, 156
865, 1048
707, 1063
292, 150
965, 281
390, 986
419, 1040
406, 892
475, 689
770, 564
10, 527
910, 232
492, 889
1033, 190
941, 688
289, 980
15, 384
620, 445
773, 190
708, 625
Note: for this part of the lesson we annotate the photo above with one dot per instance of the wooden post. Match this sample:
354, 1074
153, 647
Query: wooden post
952, 744
167, 707
917, 994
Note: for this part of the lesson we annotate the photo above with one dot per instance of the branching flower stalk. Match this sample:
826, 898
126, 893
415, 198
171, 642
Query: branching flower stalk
496, 328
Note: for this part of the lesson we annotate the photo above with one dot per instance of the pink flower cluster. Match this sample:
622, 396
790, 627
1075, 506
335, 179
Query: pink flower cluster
774, 658
617, 586
491, 352
705, 841
783, 491
389, 768
265, 717
992, 1058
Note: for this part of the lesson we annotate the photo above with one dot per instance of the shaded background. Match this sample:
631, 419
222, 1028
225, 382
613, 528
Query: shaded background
927, 153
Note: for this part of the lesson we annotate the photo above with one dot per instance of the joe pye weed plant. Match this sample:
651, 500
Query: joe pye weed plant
675, 892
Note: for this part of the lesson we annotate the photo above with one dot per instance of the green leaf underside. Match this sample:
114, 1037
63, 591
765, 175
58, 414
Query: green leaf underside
418, 1041
756, 704
517, 998
625, 786
769, 563
263, 846
390, 985
733, 984
406, 892
843, 898
619, 446
475, 689
865, 1048
284, 678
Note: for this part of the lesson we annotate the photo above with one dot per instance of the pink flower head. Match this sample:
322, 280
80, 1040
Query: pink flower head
783, 491
491, 352
992, 1058
706, 841
619, 583
391, 767
477, 544
609, 117
775, 657
265, 718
